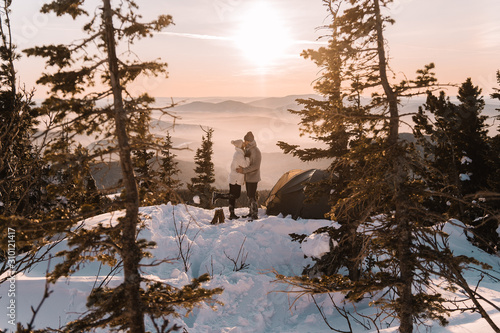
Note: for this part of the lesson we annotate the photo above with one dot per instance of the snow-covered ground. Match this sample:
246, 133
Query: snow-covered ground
253, 302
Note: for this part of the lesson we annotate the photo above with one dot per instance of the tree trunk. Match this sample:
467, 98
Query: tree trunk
405, 311
130, 251
406, 277
392, 97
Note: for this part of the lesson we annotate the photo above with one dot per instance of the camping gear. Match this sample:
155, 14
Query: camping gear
288, 197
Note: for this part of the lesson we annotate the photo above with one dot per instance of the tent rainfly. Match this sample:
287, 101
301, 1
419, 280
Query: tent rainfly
288, 198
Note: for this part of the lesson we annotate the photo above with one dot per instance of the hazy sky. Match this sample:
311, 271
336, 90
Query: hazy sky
252, 47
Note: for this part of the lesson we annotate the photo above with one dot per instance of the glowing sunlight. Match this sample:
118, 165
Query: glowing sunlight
262, 35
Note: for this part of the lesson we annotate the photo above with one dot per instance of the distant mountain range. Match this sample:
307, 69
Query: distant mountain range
259, 105
280, 102
226, 106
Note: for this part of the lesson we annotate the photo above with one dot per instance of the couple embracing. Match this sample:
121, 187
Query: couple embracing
245, 169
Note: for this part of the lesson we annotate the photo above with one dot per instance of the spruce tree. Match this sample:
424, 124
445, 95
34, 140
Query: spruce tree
335, 122
25, 218
20, 162
168, 173
496, 94
493, 200
438, 149
386, 179
85, 195
472, 141
76, 109
143, 160
494, 180
201, 184
458, 143
455, 142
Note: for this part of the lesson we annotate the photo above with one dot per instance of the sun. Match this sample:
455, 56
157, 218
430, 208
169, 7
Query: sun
262, 35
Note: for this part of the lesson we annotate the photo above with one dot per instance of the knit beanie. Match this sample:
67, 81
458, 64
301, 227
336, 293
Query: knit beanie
249, 137
237, 143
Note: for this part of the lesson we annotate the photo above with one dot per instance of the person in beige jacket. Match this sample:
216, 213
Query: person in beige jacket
251, 172
235, 179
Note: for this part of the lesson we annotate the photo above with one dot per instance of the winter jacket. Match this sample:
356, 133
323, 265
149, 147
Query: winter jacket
239, 159
252, 171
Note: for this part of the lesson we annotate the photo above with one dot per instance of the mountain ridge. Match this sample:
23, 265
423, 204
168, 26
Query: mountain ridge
232, 105
225, 106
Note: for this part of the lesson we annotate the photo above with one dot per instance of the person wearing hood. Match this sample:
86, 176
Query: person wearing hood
251, 172
235, 179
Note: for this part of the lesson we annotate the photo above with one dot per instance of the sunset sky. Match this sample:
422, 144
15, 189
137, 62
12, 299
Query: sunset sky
252, 47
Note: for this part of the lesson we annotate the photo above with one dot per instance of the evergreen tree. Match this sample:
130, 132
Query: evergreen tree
142, 159
494, 180
492, 221
438, 148
201, 184
85, 195
24, 219
334, 121
70, 189
144, 173
472, 141
458, 144
384, 176
77, 67
169, 172
496, 94
20, 162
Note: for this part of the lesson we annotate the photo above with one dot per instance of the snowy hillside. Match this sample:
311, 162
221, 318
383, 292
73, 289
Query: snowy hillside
238, 255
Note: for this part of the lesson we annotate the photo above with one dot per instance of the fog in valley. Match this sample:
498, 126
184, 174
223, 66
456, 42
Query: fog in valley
231, 118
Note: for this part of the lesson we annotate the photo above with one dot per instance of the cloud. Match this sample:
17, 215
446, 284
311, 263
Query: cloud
225, 38
195, 36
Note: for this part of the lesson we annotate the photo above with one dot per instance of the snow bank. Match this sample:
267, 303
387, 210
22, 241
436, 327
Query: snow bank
239, 256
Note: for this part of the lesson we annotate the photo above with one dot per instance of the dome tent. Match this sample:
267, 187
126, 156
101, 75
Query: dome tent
288, 198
